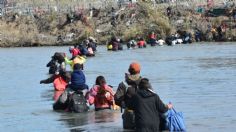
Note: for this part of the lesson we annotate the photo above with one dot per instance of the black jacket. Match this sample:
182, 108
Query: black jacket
147, 107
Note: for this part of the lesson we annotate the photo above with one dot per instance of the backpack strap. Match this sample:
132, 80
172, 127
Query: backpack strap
126, 89
126, 86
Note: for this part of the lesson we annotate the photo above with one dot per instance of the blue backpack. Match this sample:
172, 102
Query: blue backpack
175, 121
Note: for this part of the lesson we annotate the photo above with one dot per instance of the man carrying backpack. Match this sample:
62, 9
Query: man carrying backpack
125, 91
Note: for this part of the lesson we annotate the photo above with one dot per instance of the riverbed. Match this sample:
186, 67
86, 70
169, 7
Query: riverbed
199, 79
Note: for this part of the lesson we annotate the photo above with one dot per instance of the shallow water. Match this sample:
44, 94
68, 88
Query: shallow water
199, 79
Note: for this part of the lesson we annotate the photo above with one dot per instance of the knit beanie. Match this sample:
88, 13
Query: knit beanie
134, 68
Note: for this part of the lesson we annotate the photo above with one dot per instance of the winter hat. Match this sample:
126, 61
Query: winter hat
134, 68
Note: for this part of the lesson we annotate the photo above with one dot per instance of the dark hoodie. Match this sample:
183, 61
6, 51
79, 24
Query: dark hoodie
147, 107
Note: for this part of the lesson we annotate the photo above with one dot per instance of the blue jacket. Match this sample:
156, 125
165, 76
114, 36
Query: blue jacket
78, 81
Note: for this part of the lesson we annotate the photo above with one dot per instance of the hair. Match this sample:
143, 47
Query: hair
100, 80
59, 57
100, 97
132, 71
77, 66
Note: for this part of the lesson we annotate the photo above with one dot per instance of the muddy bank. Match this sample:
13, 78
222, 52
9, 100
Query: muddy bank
49, 29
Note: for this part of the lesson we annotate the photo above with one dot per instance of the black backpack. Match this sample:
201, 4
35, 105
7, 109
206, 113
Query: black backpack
59, 105
123, 95
77, 103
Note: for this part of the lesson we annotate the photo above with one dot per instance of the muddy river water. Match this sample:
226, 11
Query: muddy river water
199, 79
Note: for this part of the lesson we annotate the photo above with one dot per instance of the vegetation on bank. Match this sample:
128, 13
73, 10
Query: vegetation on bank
44, 29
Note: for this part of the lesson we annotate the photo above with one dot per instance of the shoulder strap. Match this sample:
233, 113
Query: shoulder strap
132, 91
126, 86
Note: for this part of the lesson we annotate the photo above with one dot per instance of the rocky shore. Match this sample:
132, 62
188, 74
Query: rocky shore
49, 29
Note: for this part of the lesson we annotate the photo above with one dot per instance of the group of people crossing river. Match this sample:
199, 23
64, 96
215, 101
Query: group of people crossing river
142, 106
181, 37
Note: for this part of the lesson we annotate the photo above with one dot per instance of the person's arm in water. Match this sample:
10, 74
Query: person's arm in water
49, 80
50, 63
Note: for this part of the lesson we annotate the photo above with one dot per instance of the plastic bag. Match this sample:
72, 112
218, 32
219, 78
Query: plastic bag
175, 121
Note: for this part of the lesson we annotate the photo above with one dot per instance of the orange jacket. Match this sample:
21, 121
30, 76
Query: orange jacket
59, 83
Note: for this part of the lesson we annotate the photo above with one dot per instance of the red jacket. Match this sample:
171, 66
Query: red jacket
152, 36
141, 43
75, 52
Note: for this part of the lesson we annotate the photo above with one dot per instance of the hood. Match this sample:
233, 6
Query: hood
146, 93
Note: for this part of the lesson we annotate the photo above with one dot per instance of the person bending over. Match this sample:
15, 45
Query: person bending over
101, 95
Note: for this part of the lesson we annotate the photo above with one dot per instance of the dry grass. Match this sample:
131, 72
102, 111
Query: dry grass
43, 31
148, 19
22, 32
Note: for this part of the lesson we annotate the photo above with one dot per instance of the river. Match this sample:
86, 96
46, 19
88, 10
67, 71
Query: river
199, 79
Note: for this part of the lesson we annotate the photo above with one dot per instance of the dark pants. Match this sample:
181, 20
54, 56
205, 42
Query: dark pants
98, 109
128, 119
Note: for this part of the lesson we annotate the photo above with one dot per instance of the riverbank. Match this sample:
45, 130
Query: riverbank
53, 29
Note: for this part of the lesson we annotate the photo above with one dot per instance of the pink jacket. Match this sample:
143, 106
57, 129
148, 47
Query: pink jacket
95, 98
